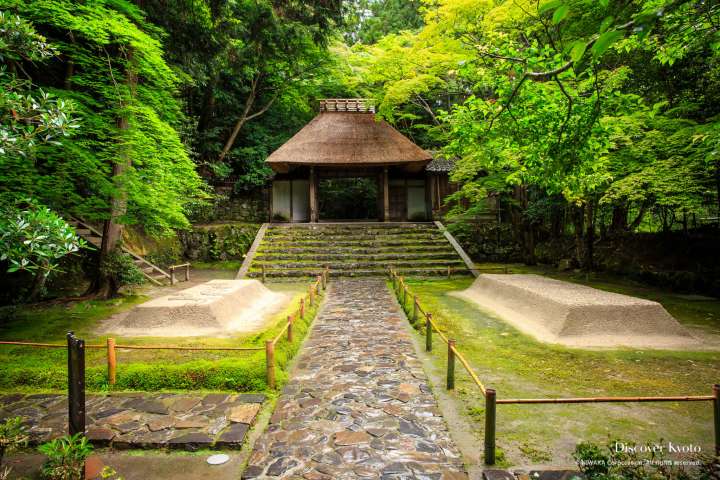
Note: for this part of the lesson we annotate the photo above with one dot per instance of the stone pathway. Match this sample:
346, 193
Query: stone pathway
359, 404
126, 421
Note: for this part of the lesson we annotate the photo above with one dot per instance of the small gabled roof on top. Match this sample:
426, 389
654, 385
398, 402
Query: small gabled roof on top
346, 134
440, 163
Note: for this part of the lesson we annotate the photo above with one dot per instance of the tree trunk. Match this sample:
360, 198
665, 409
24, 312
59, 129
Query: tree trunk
249, 101
556, 224
638, 219
588, 264
208, 107
530, 258
37, 286
525, 229
247, 116
618, 224
104, 286
717, 188
578, 219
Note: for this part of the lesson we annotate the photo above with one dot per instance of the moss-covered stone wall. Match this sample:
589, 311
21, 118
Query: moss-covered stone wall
218, 241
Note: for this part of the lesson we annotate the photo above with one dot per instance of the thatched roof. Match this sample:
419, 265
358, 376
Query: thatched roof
348, 139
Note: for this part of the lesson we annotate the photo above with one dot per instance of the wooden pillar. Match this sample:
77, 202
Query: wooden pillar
76, 384
386, 196
490, 422
111, 361
428, 197
313, 196
380, 196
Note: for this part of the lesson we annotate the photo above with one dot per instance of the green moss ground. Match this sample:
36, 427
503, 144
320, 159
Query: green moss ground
40, 369
518, 366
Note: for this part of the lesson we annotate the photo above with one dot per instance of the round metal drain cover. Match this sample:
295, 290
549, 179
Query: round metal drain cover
218, 459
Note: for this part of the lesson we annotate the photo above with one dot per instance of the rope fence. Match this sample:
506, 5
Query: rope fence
491, 401
313, 295
314, 292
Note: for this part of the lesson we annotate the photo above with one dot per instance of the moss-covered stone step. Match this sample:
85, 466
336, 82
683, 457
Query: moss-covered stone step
350, 265
346, 230
417, 237
354, 250
353, 226
354, 242
353, 256
441, 248
377, 272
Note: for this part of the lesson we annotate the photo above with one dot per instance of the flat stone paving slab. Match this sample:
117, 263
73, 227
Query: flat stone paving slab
359, 404
125, 421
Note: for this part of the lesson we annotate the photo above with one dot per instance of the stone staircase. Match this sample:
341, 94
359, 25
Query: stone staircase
152, 272
355, 250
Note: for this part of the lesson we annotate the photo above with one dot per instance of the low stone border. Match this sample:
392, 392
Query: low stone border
495, 474
125, 421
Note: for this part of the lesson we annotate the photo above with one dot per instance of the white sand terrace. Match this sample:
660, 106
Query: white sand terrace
575, 315
214, 308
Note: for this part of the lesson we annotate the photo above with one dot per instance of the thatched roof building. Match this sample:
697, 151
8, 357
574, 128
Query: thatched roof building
345, 140
339, 137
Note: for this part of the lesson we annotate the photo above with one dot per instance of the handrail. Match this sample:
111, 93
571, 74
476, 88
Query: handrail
173, 347
470, 371
442, 335
681, 398
45, 345
319, 285
282, 332
132, 347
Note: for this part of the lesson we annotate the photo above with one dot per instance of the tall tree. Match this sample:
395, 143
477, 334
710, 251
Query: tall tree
127, 163
367, 21
246, 61
564, 99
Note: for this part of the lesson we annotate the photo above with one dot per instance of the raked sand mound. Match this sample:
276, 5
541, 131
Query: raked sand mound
217, 307
574, 315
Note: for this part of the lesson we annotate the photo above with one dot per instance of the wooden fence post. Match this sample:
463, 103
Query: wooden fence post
404, 292
451, 365
270, 363
318, 282
428, 332
290, 328
415, 310
716, 416
111, 360
172, 275
76, 384
262, 267
324, 278
449, 272
187, 272
490, 421
302, 309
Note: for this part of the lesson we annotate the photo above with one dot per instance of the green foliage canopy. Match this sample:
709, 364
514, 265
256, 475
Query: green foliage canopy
102, 46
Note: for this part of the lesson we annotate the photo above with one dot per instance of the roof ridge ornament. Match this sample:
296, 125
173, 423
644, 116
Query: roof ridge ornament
359, 105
